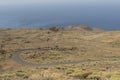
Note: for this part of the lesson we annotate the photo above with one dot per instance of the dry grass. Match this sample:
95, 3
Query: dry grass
94, 44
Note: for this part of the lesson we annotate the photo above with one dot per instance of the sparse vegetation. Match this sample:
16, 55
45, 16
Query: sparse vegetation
97, 50
2, 52
54, 28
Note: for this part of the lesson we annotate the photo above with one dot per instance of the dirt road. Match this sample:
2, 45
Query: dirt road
16, 57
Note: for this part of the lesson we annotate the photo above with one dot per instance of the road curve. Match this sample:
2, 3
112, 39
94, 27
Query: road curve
16, 57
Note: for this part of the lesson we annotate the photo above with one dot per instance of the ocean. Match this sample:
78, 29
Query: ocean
38, 13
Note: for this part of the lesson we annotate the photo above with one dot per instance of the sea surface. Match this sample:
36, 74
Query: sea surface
44, 13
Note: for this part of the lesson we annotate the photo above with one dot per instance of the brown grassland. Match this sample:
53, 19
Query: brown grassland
97, 50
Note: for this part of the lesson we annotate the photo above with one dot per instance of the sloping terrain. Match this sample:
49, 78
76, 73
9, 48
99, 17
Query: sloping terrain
98, 48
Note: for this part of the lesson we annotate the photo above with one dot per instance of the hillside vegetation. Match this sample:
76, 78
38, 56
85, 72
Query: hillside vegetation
98, 49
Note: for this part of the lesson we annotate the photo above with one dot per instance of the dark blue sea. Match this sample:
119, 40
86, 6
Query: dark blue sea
44, 13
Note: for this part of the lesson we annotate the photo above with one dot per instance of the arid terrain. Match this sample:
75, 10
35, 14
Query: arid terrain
70, 53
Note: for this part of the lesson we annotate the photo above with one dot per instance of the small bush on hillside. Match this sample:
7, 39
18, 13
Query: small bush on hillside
2, 51
22, 74
80, 75
54, 29
88, 28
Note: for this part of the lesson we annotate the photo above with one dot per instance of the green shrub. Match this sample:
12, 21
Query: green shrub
80, 75
22, 74
2, 51
7, 75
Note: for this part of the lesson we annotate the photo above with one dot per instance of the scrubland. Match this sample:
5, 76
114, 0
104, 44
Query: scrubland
96, 50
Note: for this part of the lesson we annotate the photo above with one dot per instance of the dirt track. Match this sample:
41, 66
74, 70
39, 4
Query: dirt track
16, 57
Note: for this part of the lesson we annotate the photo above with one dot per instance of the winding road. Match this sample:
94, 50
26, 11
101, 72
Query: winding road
16, 57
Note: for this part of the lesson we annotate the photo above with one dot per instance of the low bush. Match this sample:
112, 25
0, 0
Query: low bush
2, 51
22, 74
54, 29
